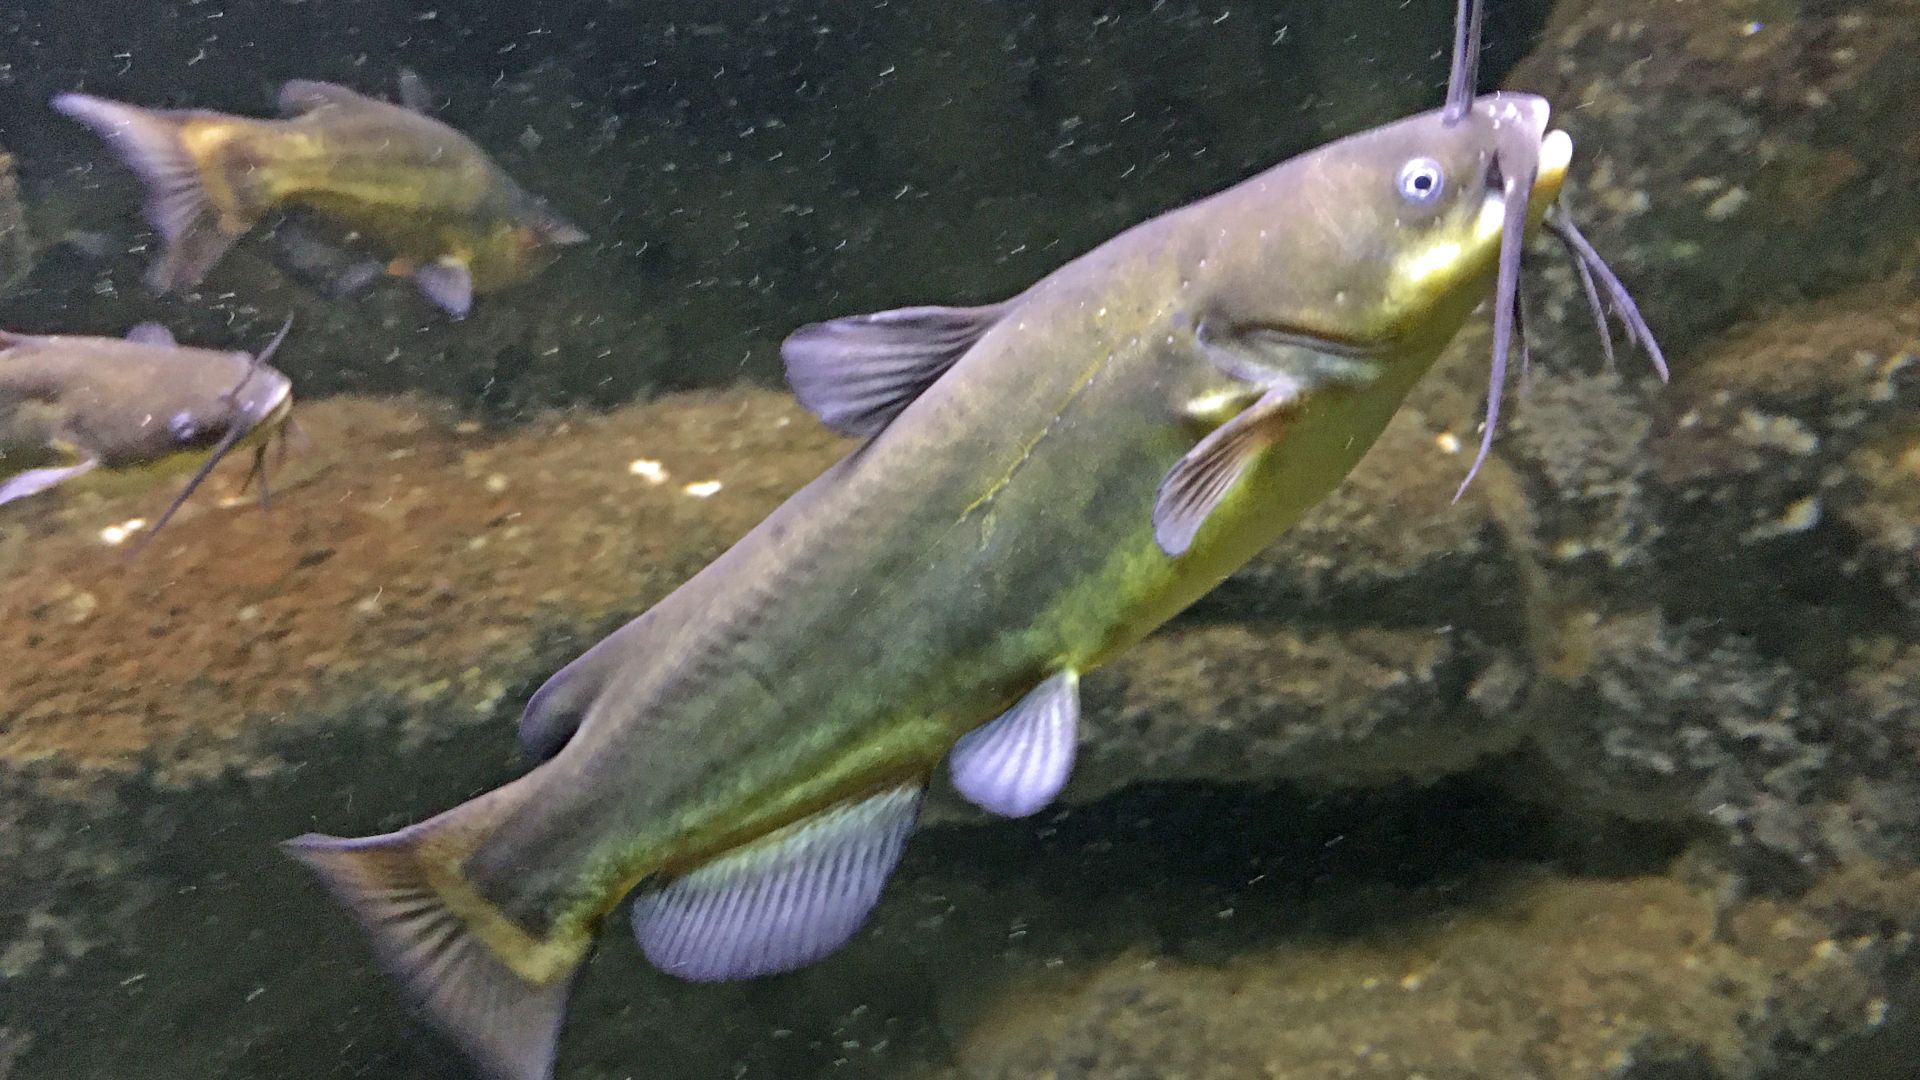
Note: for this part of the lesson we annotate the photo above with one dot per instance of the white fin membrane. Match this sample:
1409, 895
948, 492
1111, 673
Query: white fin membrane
300, 96
413, 92
782, 902
35, 481
1018, 763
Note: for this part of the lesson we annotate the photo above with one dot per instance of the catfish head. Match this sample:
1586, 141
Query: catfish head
1378, 246
212, 410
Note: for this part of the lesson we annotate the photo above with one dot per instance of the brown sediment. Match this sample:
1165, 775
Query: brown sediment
402, 550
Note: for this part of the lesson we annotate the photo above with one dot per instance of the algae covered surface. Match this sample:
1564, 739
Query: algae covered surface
1610, 769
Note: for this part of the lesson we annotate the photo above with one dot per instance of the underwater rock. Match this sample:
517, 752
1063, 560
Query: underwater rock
1711, 572
1519, 977
1731, 157
16, 243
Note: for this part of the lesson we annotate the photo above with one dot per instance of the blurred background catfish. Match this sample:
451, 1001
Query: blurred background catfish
451, 218
74, 407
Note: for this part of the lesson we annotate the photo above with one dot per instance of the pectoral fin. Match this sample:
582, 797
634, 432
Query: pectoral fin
785, 900
1199, 481
856, 374
35, 481
151, 333
448, 284
1017, 764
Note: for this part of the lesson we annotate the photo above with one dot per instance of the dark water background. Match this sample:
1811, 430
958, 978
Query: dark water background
741, 168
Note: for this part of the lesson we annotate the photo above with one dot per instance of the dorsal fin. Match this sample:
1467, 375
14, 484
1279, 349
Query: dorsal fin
151, 333
301, 96
414, 93
858, 372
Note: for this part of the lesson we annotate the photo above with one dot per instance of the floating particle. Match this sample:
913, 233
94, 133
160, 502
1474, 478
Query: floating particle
118, 534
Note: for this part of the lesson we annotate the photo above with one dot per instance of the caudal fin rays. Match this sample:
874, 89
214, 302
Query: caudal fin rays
177, 207
508, 1024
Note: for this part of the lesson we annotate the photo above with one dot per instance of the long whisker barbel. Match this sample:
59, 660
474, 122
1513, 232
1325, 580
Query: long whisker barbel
1464, 75
1594, 270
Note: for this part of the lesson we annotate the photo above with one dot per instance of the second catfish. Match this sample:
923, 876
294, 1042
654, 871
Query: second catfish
452, 219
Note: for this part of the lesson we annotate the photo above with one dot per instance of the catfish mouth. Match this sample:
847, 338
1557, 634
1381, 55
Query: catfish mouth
259, 420
1529, 169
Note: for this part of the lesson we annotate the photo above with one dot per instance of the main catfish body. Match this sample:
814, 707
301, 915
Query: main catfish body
1047, 480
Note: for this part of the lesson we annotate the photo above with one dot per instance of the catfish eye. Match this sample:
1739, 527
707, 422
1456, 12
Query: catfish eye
1421, 181
183, 427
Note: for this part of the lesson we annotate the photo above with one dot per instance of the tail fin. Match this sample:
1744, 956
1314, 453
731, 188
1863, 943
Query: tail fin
177, 205
406, 892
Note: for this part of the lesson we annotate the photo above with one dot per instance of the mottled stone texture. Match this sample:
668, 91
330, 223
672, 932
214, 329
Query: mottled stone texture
1731, 155
1609, 770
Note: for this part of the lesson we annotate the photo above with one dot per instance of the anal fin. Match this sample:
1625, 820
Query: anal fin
1018, 763
783, 901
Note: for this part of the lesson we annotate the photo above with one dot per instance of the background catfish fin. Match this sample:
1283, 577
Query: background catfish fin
190, 255
35, 481
858, 372
300, 96
1199, 481
151, 333
784, 901
1018, 763
448, 284
149, 142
